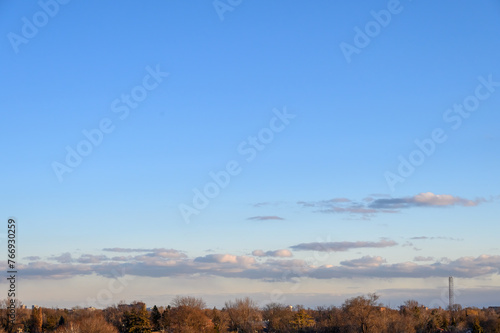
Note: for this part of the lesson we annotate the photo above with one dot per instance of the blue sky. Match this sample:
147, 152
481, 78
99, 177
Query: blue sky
311, 133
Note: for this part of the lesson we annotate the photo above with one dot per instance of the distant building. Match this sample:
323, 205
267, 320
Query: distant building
495, 308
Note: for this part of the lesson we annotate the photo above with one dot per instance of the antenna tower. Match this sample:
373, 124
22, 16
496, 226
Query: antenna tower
451, 292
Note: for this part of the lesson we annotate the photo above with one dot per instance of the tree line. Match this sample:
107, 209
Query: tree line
190, 315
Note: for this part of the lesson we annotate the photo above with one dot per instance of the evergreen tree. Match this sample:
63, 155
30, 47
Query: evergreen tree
50, 323
166, 318
155, 318
137, 320
62, 321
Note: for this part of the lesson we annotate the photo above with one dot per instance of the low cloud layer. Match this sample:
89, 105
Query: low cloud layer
271, 265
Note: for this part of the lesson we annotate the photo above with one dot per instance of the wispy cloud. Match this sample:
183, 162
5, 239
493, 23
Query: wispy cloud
91, 259
158, 252
340, 207
278, 253
268, 203
265, 218
32, 258
368, 207
243, 261
126, 250
427, 199
64, 258
341, 246
366, 261
166, 253
439, 237
121, 258
420, 258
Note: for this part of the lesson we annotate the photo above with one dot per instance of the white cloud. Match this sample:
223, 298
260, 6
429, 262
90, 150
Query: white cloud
366, 261
427, 199
432, 199
284, 253
226, 258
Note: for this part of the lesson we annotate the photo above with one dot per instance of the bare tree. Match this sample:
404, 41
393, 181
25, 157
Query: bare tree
188, 316
88, 323
69, 328
278, 317
220, 320
188, 301
328, 319
245, 315
362, 313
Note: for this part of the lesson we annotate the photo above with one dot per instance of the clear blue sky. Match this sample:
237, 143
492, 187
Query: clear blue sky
328, 174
